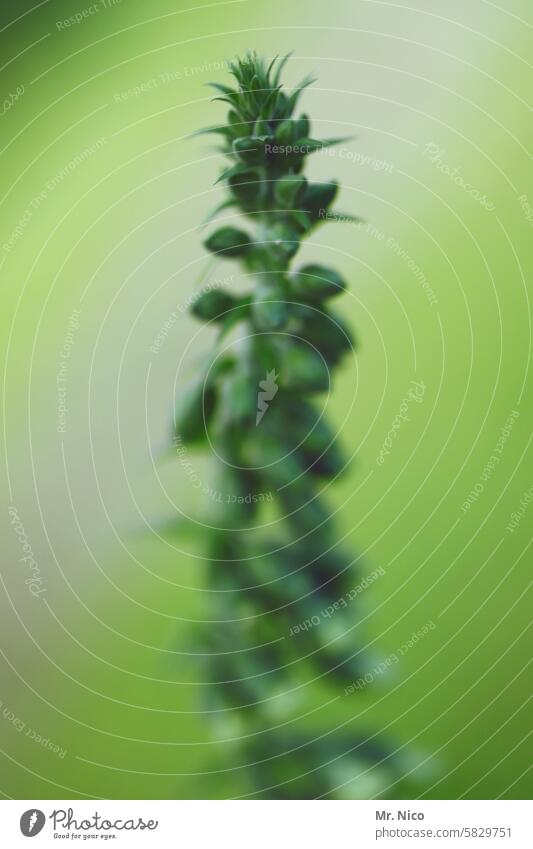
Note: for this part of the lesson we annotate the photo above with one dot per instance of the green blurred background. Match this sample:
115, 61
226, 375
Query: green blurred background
102, 201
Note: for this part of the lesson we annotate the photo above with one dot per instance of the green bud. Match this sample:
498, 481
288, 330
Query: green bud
285, 238
303, 127
301, 220
246, 188
249, 150
230, 241
285, 132
303, 369
327, 464
237, 125
326, 332
194, 411
212, 304
288, 189
318, 198
261, 128
316, 282
282, 106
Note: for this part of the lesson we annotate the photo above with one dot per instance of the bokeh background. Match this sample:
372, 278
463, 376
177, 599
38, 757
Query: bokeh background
102, 201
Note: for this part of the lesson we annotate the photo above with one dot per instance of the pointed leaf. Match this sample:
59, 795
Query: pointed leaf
269, 102
232, 103
273, 62
280, 67
223, 89
221, 206
222, 130
295, 95
318, 144
233, 171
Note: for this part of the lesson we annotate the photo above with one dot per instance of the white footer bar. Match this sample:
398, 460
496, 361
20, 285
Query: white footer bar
266, 824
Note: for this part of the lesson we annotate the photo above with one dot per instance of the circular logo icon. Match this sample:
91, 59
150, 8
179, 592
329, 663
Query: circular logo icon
32, 822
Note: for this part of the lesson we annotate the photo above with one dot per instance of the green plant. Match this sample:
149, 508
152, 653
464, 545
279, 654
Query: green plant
252, 405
